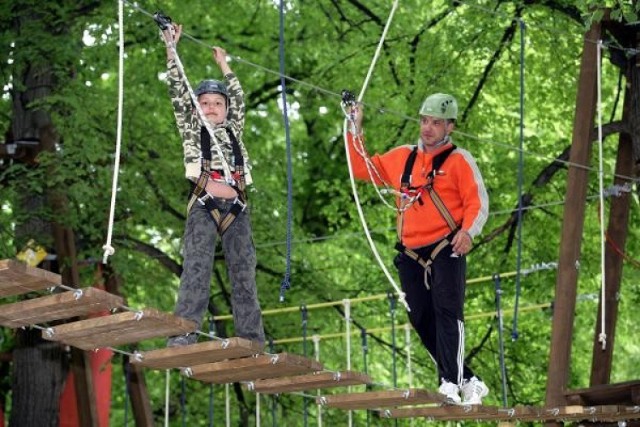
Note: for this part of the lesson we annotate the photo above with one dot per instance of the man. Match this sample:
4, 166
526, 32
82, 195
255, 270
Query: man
442, 205
217, 205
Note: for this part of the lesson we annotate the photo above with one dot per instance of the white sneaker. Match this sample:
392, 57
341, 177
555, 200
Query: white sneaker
451, 391
473, 390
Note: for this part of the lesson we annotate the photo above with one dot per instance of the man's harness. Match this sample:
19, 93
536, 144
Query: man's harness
416, 192
199, 193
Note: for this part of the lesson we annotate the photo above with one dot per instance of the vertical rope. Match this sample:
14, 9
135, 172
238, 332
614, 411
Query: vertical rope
227, 405
126, 391
407, 341
514, 330
394, 349
353, 185
503, 370
378, 49
316, 352
167, 380
602, 338
212, 332
108, 249
347, 321
257, 409
304, 313
286, 281
183, 401
365, 351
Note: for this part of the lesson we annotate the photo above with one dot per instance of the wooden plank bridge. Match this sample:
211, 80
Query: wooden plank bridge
237, 359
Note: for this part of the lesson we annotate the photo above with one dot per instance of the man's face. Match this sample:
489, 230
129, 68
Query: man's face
214, 107
433, 130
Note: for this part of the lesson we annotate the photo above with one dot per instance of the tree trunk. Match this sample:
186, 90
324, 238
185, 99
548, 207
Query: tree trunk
39, 370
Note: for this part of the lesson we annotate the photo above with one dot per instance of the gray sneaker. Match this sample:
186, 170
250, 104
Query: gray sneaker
473, 390
182, 340
450, 390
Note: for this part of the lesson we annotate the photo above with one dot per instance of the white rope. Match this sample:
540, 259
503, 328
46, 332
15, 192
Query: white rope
401, 295
407, 340
602, 338
227, 405
108, 249
378, 49
347, 320
316, 350
258, 410
225, 166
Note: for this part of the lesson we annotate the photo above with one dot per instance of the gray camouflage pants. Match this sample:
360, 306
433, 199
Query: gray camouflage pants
199, 241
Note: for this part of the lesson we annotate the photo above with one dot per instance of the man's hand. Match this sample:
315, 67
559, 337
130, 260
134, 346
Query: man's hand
357, 113
461, 243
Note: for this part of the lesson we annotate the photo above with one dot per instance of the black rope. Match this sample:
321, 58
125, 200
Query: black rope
286, 281
503, 370
514, 330
365, 352
212, 329
305, 317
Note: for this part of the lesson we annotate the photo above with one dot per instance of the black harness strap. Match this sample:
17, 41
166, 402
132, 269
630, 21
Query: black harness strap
198, 192
405, 186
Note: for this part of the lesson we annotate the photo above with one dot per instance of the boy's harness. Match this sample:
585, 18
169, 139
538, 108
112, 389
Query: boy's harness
416, 193
199, 193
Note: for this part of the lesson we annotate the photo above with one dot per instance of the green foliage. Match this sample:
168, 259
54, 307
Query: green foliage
446, 47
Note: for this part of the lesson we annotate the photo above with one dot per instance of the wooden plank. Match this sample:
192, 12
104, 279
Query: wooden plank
626, 393
316, 380
380, 399
253, 368
118, 329
445, 412
58, 306
17, 278
198, 354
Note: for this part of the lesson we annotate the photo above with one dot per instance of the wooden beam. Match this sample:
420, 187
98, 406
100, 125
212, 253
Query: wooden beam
119, 329
57, 307
380, 399
626, 393
17, 278
254, 368
316, 380
140, 401
573, 223
617, 231
198, 354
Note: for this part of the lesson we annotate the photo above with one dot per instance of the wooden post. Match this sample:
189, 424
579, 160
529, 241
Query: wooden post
617, 231
573, 222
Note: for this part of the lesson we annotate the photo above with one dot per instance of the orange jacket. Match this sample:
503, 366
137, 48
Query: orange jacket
459, 185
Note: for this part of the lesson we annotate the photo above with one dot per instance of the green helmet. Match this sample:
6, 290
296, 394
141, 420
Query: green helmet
440, 105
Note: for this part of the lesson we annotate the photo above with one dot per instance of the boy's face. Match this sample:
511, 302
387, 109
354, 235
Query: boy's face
214, 107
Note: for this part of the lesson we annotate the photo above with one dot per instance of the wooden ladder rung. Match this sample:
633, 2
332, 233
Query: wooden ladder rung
119, 329
57, 306
17, 278
315, 380
198, 354
254, 368
380, 399
446, 412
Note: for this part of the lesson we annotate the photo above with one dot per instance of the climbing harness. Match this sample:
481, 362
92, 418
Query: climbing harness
415, 194
200, 195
